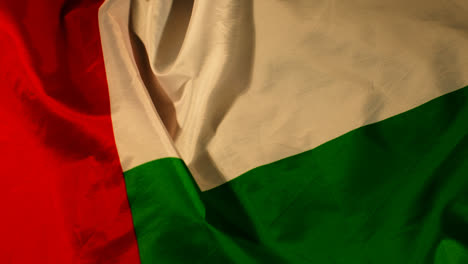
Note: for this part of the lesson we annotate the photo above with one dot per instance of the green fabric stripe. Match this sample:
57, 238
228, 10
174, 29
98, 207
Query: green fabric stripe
391, 192
169, 219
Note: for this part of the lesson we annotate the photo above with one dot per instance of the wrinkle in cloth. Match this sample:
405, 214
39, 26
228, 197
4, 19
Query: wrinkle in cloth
283, 77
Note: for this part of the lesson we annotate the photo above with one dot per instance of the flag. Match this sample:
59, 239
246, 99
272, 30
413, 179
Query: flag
234, 131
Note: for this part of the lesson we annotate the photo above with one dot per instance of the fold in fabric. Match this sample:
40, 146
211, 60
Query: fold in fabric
279, 77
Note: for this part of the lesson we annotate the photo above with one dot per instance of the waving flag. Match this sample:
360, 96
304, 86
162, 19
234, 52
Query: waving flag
234, 131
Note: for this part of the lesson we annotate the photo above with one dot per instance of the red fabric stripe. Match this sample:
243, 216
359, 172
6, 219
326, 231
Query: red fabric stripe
63, 196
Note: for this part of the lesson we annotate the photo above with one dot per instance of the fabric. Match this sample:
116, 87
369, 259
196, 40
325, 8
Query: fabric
280, 77
234, 131
391, 192
64, 198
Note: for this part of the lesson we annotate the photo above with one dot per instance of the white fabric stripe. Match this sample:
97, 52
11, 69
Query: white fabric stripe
139, 132
253, 82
